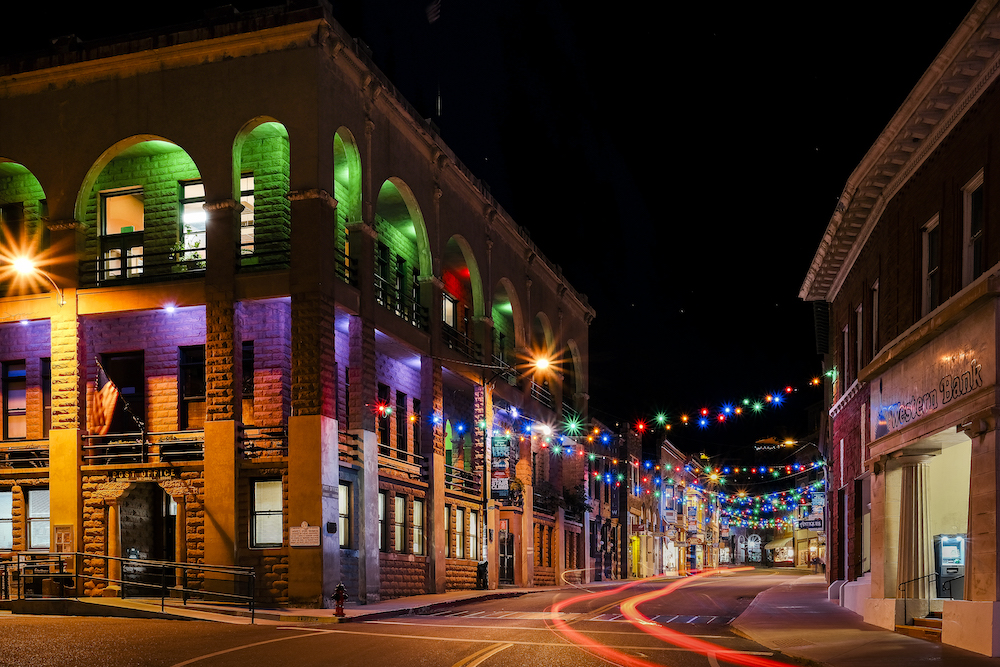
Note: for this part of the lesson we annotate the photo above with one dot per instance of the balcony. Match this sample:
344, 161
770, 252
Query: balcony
257, 442
264, 255
541, 393
24, 454
457, 479
127, 448
138, 266
397, 300
461, 342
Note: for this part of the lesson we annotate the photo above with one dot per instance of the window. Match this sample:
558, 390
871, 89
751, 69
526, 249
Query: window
401, 425
246, 215
15, 392
449, 530
266, 529
973, 227
846, 361
247, 370
474, 535
6, 520
122, 233
858, 328
418, 526
416, 425
931, 269
459, 532
192, 387
38, 518
449, 310
344, 515
347, 398
399, 524
382, 546
874, 319
193, 220
12, 224
382, 417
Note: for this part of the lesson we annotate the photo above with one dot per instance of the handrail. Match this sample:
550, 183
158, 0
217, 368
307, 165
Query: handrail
899, 588
946, 584
53, 565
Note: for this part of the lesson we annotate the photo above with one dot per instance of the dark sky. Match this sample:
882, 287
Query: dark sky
680, 164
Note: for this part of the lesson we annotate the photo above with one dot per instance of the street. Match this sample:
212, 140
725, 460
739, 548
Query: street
492, 633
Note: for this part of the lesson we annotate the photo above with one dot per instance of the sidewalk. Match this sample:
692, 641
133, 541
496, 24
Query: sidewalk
799, 620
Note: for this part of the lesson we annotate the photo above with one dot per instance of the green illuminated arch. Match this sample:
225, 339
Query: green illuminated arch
400, 225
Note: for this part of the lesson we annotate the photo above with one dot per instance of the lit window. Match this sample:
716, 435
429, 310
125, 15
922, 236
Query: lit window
266, 529
6, 520
344, 518
14, 400
449, 310
122, 221
246, 215
38, 518
474, 535
418, 526
399, 525
459, 532
382, 536
449, 532
193, 220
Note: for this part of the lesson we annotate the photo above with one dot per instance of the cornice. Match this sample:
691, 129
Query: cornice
848, 396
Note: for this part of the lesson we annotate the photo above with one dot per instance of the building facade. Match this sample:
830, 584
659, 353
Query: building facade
273, 321
908, 274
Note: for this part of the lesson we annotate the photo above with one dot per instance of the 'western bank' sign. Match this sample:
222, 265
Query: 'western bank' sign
954, 364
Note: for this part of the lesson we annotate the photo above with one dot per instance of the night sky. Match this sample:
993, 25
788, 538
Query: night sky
680, 164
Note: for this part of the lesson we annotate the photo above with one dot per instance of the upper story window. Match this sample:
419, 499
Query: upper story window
38, 518
859, 324
246, 215
449, 310
193, 219
122, 227
875, 322
266, 528
973, 219
931, 265
192, 387
15, 388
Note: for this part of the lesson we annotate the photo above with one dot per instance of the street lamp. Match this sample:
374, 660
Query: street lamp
26, 267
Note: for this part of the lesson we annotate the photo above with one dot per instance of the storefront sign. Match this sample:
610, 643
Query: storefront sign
811, 524
959, 362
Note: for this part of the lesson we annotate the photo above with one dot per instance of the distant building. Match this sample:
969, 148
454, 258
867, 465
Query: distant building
906, 283
287, 328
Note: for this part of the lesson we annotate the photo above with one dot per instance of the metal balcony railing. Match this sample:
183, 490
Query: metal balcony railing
542, 394
345, 269
260, 441
457, 479
161, 447
461, 342
24, 454
398, 300
143, 267
264, 255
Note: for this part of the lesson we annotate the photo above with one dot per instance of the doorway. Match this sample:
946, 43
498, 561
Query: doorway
147, 523
506, 557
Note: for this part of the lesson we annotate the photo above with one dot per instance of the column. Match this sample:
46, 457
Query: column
114, 537
432, 448
361, 334
916, 558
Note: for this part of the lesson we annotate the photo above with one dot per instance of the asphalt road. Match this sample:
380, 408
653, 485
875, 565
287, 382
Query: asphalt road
588, 629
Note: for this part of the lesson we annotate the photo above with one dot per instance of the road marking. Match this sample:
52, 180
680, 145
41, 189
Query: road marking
240, 648
479, 657
506, 628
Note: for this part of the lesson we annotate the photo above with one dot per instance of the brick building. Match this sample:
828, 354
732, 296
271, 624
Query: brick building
318, 319
908, 268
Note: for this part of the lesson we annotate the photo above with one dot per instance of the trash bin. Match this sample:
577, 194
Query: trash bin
483, 575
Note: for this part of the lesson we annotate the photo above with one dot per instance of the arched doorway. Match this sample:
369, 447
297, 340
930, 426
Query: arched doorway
147, 523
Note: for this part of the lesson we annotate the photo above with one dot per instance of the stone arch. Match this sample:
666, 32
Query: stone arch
22, 217
508, 320
261, 183
574, 381
346, 176
460, 273
399, 221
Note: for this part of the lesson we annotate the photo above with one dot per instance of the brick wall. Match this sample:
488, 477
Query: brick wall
25, 189
158, 334
268, 324
268, 159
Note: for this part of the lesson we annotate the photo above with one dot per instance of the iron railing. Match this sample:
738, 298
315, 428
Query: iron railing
344, 268
260, 441
28, 575
24, 454
159, 447
143, 267
398, 300
457, 479
542, 394
264, 255
461, 342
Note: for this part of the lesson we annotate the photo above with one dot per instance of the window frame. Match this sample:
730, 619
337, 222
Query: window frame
399, 523
418, 527
383, 537
875, 322
7, 379
255, 512
344, 515
460, 531
129, 262
6, 519
449, 306
188, 369
449, 530
973, 215
198, 240
930, 241
247, 220
34, 518
474, 535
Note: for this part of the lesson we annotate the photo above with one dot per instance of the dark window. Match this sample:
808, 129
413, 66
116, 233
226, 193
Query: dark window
15, 393
382, 415
933, 268
416, 426
192, 385
347, 398
46, 396
401, 429
248, 359
127, 371
976, 231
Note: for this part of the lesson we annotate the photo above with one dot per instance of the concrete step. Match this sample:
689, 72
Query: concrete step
929, 622
920, 632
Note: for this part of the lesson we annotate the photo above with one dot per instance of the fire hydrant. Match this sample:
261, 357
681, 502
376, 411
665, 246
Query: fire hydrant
340, 596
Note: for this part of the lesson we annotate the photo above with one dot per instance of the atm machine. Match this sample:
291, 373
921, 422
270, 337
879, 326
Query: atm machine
949, 563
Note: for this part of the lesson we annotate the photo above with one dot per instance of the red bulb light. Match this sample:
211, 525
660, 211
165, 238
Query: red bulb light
788, 389
704, 412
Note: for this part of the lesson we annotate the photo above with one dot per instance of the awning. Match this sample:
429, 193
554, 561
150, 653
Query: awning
778, 543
